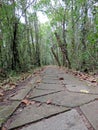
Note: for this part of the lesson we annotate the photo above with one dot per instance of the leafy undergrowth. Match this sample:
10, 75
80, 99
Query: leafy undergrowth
14, 79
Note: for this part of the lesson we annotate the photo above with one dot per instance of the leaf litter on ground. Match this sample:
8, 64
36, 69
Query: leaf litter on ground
49, 101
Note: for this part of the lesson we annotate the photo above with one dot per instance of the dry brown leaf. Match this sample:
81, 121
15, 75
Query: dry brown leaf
61, 78
1, 94
91, 79
49, 101
11, 84
26, 102
38, 81
84, 77
12, 87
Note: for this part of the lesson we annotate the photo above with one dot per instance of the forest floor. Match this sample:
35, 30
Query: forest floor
52, 98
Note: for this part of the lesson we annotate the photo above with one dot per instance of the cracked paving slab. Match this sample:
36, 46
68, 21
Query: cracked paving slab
40, 92
91, 112
68, 99
69, 79
51, 81
66, 121
76, 85
50, 76
54, 72
10, 106
33, 113
64, 100
21, 94
25, 90
7, 110
83, 89
56, 87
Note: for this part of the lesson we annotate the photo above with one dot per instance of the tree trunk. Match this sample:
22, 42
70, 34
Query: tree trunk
84, 34
64, 51
73, 28
15, 55
55, 56
37, 41
33, 47
27, 38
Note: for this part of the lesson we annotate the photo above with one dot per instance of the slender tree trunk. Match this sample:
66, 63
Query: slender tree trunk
27, 38
37, 42
55, 56
14, 47
64, 51
64, 41
15, 55
33, 48
84, 34
73, 28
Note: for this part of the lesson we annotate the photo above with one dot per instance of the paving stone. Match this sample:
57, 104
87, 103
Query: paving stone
34, 79
39, 92
66, 121
52, 71
67, 99
69, 79
49, 75
82, 89
7, 110
56, 87
24, 91
21, 93
55, 78
51, 81
91, 112
76, 85
34, 113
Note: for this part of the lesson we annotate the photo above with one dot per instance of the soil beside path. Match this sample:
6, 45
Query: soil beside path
51, 100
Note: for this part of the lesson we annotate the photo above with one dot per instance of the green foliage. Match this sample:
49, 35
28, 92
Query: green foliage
75, 21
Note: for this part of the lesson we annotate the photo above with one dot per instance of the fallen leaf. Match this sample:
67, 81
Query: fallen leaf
91, 79
1, 94
26, 102
11, 84
84, 91
49, 101
12, 87
61, 78
38, 81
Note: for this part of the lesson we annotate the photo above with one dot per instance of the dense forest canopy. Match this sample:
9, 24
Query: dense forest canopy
69, 37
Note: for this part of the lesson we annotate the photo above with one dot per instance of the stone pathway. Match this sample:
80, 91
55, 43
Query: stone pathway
56, 101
